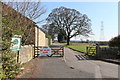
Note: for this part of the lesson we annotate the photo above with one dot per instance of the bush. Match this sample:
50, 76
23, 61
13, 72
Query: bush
115, 42
10, 65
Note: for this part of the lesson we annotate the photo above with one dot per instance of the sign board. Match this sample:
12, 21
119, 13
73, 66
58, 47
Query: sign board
45, 51
16, 43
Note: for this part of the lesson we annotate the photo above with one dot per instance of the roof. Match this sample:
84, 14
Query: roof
5, 5
8, 7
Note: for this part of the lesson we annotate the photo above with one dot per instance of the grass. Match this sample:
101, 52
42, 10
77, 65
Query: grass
81, 48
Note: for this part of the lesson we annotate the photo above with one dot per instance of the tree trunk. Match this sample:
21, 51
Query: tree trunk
68, 41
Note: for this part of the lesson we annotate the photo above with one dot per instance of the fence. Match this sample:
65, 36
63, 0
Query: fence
103, 52
56, 49
107, 52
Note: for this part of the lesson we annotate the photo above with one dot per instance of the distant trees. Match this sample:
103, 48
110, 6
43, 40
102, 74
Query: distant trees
71, 21
115, 42
62, 36
49, 28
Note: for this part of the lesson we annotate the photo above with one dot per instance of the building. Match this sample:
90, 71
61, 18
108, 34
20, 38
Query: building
40, 37
33, 35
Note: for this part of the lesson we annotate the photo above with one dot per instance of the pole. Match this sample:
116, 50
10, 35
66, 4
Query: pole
18, 57
37, 39
34, 50
97, 50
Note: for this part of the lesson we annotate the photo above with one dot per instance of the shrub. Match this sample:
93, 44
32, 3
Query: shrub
10, 65
115, 42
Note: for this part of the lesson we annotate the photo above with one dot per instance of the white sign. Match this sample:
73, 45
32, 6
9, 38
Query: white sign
16, 43
45, 51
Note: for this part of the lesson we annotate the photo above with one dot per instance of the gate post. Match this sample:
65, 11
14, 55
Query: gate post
97, 51
63, 50
87, 48
34, 52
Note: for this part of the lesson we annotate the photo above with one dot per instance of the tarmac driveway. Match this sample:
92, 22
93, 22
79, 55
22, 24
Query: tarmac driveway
52, 67
68, 67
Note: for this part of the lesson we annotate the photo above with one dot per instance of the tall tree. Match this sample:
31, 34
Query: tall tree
61, 35
71, 21
50, 29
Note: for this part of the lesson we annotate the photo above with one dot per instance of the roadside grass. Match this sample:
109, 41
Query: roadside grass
82, 48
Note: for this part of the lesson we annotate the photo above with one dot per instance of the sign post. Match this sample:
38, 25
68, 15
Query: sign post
16, 43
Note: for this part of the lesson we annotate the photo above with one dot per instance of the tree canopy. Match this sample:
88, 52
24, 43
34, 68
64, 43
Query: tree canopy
71, 21
115, 42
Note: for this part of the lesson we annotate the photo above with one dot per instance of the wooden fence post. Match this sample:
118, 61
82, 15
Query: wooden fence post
63, 50
34, 51
87, 51
97, 50
18, 57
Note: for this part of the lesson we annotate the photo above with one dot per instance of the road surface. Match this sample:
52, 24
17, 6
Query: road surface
99, 68
69, 67
53, 67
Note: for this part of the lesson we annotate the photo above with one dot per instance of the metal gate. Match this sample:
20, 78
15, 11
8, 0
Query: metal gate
91, 50
55, 49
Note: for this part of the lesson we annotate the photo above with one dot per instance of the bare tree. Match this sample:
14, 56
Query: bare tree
50, 29
71, 21
23, 17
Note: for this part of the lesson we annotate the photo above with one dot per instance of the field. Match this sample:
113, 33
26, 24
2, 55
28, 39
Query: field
81, 43
82, 47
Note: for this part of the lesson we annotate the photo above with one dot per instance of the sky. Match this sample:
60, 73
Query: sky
97, 12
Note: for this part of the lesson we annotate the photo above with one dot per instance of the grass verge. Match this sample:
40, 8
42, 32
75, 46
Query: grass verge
81, 48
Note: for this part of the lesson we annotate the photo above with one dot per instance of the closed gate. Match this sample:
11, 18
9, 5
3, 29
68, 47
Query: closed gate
55, 49
91, 51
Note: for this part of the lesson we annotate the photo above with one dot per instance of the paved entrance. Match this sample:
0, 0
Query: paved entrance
99, 68
53, 67
70, 66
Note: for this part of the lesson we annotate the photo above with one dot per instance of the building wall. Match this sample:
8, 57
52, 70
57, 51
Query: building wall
46, 41
26, 53
19, 21
40, 39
